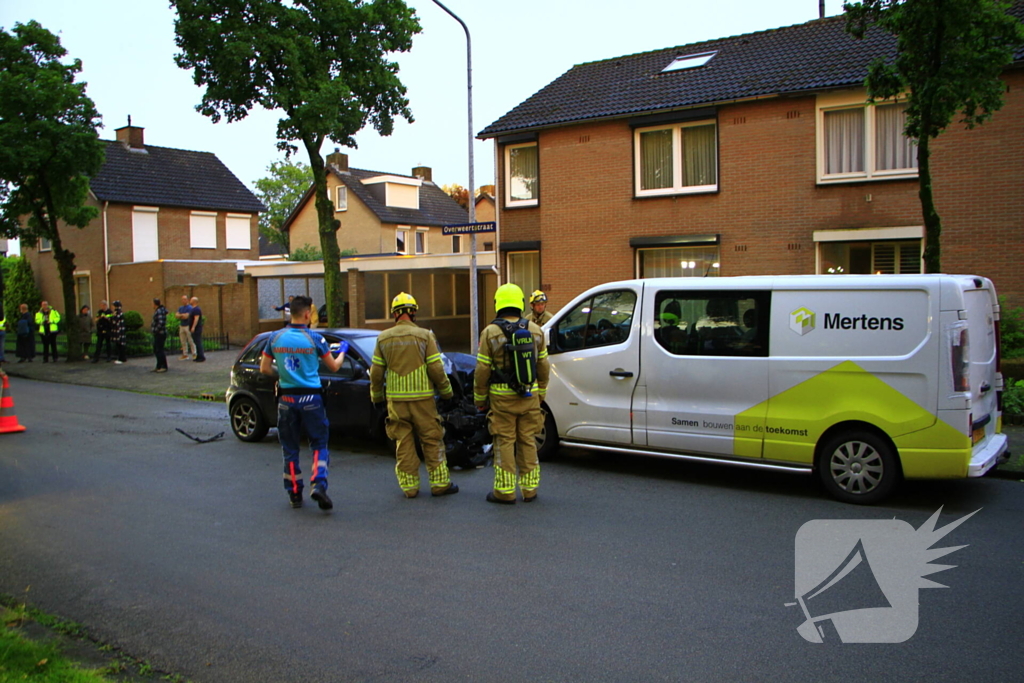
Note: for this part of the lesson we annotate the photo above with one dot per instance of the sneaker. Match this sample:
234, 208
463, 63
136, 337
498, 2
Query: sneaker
452, 488
160, 370
199, 360
118, 362
491, 498
295, 499
321, 498
182, 357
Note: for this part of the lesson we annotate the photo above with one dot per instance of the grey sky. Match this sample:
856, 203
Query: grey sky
127, 46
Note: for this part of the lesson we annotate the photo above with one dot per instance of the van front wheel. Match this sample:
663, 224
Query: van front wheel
547, 440
858, 467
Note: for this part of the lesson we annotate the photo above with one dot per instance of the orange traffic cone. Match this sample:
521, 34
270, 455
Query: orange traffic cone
8, 420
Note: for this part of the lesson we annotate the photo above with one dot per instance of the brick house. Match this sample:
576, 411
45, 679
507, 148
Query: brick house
170, 222
380, 213
754, 154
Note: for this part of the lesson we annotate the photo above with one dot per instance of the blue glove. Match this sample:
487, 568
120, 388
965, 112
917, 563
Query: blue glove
342, 346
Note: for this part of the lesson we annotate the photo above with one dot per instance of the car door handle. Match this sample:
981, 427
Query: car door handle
620, 374
986, 387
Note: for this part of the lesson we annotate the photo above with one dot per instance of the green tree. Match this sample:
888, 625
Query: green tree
49, 148
281, 192
949, 58
19, 287
321, 62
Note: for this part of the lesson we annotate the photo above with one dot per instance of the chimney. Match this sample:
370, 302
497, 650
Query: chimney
821, 9
338, 160
423, 173
130, 135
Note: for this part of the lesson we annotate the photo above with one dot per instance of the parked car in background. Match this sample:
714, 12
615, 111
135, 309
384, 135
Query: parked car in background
252, 402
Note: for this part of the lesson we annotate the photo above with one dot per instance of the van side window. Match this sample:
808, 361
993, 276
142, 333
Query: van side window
602, 320
706, 323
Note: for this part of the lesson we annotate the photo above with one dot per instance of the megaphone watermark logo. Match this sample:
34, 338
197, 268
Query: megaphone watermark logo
857, 580
801, 321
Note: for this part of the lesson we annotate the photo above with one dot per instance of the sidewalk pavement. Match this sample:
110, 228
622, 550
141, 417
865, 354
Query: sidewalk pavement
210, 380
186, 379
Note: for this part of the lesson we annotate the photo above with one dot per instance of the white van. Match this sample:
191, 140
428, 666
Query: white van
862, 379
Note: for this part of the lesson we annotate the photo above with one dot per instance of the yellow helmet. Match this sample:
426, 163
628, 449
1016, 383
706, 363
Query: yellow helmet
508, 296
403, 301
538, 297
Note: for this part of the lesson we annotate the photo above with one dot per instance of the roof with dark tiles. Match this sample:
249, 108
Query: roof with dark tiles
436, 207
814, 56
163, 176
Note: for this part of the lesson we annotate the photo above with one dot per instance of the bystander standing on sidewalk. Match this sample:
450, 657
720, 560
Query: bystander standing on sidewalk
188, 345
159, 330
85, 325
3, 334
120, 334
104, 323
195, 324
26, 344
48, 320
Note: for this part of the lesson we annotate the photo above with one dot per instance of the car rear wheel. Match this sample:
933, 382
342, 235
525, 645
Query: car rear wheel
547, 439
247, 421
858, 467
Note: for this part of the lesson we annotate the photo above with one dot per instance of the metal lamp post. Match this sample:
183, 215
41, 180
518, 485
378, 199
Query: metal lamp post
473, 294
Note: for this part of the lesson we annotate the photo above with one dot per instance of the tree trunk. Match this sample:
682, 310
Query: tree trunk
328, 229
932, 221
66, 269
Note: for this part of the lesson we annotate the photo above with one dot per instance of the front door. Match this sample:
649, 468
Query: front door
594, 352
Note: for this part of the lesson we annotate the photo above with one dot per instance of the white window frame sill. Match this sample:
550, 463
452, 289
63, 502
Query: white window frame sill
521, 203
864, 178
675, 191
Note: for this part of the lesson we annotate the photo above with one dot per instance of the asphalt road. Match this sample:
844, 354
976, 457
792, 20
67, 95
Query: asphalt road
624, 570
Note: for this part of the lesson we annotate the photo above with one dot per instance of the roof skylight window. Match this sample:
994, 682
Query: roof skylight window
689, 61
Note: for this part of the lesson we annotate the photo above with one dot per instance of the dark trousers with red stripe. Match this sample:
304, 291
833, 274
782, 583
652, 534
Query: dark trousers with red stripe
297, 414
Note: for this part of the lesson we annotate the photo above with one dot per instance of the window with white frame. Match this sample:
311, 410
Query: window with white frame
678, 262
421, 241
523, 269
45, 244
202, 230
402, 240
858, 141
521, 174
889, 257
237, 232
341, 198
676, 159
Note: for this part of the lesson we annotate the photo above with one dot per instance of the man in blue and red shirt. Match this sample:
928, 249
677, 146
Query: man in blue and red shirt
298, 352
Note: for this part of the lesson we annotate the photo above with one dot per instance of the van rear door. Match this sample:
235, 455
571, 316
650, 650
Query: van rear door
980, 303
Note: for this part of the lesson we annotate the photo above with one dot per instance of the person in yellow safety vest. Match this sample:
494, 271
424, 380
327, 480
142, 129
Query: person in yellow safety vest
48, 320
539, 302
406, 370
515, 416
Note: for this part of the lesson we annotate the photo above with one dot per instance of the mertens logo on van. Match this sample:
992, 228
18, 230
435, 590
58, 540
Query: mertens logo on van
801, 321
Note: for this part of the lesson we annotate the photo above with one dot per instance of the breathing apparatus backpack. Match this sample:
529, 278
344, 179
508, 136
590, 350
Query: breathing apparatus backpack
520, 356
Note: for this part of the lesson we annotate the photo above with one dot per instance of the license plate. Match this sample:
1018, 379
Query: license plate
978, 435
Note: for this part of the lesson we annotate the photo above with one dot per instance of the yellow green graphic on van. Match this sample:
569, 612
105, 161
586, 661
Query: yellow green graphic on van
794, 420
801, 321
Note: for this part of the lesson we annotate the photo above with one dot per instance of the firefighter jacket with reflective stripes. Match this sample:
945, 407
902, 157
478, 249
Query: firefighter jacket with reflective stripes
407, 365
48, 322
491, 359
539, 319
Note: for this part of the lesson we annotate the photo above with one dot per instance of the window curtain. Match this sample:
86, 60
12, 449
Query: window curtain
656, 159
699, 167
893, 149
844, 141
522, 162
677, 262
524, 270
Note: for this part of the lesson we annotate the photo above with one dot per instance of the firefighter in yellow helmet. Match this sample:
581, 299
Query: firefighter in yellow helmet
512, 375
539, 304
406, 370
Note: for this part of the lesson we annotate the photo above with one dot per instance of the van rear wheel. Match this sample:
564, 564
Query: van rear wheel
858, 467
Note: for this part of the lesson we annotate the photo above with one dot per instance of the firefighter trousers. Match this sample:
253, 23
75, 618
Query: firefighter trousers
407, 423
515, 422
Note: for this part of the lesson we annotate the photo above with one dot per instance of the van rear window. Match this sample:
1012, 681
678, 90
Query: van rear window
709, 323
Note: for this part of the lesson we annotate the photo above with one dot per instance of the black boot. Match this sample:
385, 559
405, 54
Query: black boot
295, 499
321, 498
